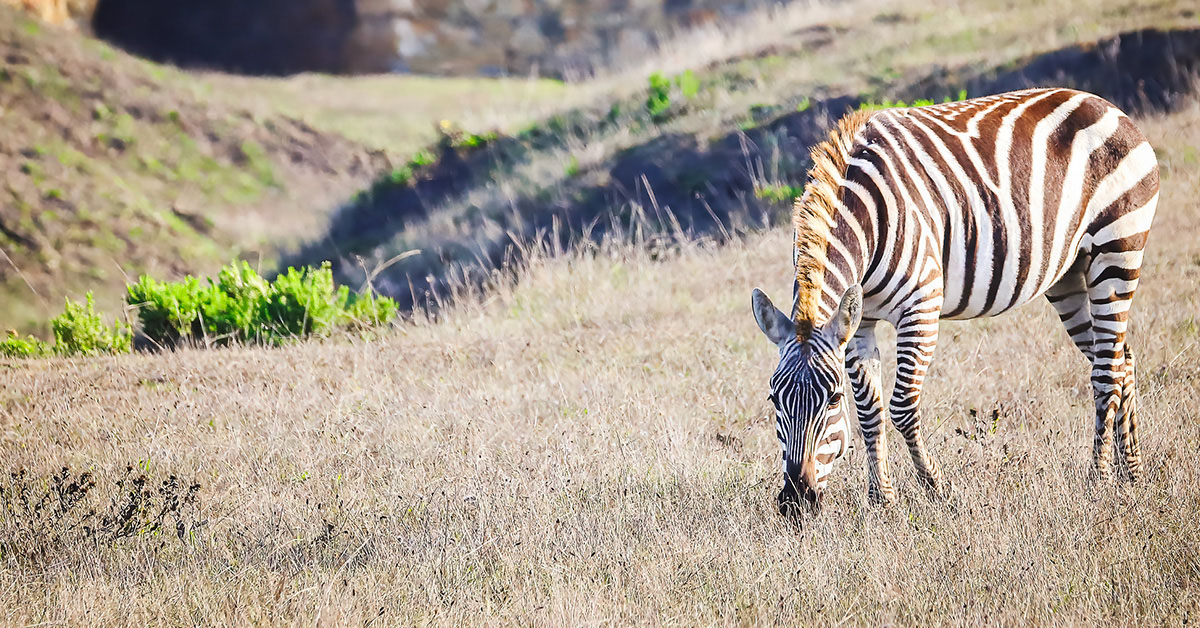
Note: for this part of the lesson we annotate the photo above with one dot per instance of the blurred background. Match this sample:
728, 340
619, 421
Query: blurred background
422, 146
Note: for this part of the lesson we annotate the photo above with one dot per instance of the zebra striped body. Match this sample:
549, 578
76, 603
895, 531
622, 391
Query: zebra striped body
958, 211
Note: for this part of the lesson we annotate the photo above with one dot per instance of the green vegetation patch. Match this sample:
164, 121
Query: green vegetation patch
79, 330
661, 89
900, 104
238, 306
241, 306
779, 193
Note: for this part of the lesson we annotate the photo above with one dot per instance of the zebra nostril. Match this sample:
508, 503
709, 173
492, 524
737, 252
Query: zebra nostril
789, 500
814, 504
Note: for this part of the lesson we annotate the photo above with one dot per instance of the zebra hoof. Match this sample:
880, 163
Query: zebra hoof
1100, 473
938, 490
1128, 474
881, 497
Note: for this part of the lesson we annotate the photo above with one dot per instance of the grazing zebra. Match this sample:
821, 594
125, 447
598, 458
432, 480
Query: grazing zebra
959, 210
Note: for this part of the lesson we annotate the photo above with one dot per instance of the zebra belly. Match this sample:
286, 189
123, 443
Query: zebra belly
1032, 283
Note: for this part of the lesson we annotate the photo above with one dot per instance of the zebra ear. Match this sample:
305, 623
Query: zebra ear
775, 324
849, 315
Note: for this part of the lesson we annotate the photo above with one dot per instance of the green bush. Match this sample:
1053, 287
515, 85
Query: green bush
658, 101
473, 140
242, 306
572, 168
900, 104
14, 346
780, 193
80, 330
689, 85
421, 158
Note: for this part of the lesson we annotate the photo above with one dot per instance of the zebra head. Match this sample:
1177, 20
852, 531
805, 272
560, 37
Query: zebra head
806, 389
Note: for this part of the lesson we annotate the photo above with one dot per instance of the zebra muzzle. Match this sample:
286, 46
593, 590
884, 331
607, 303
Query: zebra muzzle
798, 495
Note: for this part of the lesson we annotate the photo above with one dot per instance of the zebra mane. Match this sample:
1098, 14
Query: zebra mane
813, 217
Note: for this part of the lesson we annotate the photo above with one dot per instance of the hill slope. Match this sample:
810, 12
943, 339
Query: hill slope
718, 144
112, 169
114, 166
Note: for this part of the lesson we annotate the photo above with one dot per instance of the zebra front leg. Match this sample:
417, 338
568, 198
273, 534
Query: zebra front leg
863, 369
916, 338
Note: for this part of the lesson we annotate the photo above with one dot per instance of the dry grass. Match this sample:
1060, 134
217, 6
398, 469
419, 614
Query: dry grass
592, 446
397, 113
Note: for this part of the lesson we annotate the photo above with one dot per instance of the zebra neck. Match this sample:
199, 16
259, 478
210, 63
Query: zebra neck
821, 222
831, 254
837, 275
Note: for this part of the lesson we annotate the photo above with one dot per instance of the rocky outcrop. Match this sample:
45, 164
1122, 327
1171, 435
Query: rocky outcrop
489, 37
547, 37
258, 37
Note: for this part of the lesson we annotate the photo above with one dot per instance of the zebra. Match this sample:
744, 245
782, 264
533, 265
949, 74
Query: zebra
955, 211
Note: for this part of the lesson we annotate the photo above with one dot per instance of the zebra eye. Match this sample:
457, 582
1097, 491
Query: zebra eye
835, 399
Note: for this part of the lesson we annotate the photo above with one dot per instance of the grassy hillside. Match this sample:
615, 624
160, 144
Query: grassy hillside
711, 136
114, 166
592, 445
111, 170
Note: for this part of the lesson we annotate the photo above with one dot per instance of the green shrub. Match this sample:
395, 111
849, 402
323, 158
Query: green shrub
689, 85
473, 140
80, 330
780, 193
900, 104
368, 310
14, 346
572, 168
400, 177
166, 310
421, 158
240, 305
305, 302
658, 101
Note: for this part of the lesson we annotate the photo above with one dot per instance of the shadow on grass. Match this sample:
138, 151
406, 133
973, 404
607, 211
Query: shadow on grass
472, 213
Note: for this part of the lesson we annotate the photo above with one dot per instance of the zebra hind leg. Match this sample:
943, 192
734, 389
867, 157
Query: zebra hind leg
1128, 451
1112, 278
1069, 296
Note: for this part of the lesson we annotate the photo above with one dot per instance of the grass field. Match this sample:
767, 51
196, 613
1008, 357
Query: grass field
587, 442
592, 446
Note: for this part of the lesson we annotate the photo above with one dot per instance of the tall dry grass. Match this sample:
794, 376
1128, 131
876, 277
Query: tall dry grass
593, 446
